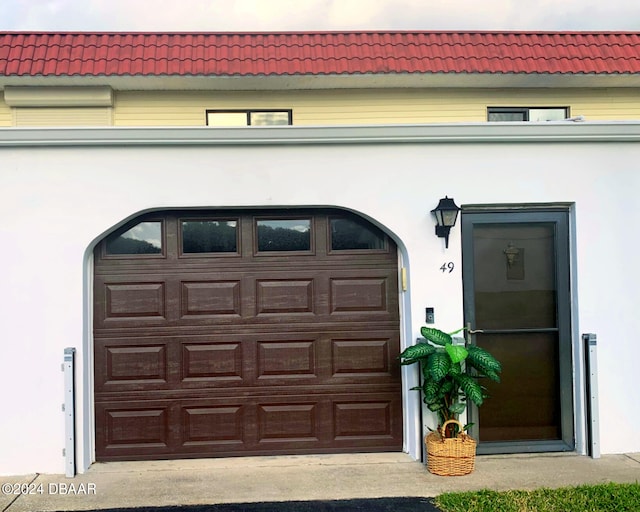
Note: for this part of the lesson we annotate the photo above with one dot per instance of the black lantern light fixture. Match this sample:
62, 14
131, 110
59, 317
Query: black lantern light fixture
446, 215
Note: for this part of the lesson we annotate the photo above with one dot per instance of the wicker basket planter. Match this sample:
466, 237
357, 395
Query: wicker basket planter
450, 456
450, 373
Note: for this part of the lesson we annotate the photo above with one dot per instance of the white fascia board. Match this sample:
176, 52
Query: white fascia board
565, 131
51, 96
320, 82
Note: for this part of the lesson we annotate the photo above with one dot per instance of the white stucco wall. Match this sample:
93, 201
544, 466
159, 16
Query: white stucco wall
57, 201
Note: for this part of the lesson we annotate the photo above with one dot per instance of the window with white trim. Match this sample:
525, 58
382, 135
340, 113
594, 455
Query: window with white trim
249, 117
502, 114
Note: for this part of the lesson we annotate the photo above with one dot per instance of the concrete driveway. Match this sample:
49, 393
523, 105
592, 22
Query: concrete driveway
297, 478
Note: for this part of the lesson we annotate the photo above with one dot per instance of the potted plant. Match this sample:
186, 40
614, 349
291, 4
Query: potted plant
450, 375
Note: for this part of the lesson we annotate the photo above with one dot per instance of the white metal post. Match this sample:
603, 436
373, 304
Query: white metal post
591, 362
68, 367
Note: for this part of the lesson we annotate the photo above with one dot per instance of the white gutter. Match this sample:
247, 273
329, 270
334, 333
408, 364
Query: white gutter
565, 131
332, 81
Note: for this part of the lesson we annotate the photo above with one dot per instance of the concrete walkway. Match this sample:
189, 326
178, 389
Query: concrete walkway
254, 479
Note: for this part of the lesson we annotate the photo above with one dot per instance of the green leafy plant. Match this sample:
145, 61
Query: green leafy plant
450, 373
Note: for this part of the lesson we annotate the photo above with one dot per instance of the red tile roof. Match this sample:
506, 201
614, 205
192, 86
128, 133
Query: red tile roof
317, 53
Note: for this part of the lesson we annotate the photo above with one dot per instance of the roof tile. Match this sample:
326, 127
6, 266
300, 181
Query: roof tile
317, 53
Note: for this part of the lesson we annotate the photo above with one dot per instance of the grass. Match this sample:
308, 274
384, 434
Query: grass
585, 498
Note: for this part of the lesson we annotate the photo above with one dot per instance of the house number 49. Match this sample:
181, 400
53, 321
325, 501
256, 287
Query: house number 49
449, 266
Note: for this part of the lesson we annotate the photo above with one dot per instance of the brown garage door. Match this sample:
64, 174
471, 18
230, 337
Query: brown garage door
246, 333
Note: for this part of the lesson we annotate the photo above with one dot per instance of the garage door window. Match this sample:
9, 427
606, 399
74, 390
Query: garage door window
143, 238
353, 234
284, 235
209, 236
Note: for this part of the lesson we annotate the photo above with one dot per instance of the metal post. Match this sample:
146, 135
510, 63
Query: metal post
591, 366
68, 367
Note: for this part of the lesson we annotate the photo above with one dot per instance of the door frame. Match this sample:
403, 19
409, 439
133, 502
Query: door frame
560, 216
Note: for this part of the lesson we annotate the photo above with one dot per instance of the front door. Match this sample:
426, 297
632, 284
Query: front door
516, 292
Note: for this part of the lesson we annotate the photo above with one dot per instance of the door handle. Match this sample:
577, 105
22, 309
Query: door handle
471, 331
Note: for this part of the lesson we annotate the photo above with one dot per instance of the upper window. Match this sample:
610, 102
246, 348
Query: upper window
497, 114
249, 117
143, 238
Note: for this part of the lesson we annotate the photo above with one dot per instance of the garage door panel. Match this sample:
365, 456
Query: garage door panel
213, 363
171, 363
290, 359
284, 296
131, 366
359, 294
213, 426
210, 299
366, 295
289, 423
129, 428
130, 301
134, 300
362, 420
207, 353
365, 357
250, 360
253, 302
256, 425
370, 420
136, 363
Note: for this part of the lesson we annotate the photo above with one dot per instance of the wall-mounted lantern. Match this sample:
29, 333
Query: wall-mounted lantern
512, 253
446, 215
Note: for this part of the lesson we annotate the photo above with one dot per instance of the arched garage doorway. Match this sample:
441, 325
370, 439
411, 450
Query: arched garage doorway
254, 332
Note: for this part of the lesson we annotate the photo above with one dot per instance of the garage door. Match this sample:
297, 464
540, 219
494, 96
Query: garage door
246, 333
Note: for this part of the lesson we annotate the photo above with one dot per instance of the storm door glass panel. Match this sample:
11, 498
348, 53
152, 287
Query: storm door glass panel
143, 238
515, 283
284, 235
355, 234
512, 289
525, 405
515, 289
209, 236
